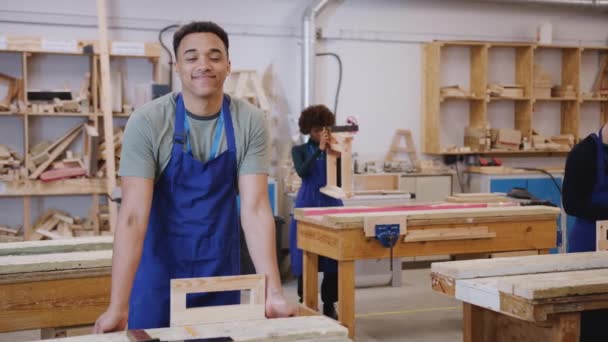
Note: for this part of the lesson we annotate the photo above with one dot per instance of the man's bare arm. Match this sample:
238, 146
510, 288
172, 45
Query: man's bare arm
128, 244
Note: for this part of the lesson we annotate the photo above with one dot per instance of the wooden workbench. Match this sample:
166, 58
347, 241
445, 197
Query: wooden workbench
54, 283
302, 329
338, 233
532, 298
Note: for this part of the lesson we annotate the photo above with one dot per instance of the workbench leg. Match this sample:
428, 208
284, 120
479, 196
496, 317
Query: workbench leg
472, 323
310, 270
567, 327
346, 295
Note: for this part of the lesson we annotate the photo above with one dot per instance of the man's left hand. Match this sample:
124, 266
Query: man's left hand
277, 306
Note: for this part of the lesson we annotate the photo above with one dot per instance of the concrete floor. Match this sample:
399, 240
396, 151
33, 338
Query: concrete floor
412, 312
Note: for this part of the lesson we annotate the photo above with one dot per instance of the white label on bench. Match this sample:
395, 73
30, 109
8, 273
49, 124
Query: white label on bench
3, 43
128, 48
60, 45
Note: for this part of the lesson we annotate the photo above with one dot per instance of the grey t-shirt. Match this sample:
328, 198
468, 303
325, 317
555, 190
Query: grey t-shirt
148, 138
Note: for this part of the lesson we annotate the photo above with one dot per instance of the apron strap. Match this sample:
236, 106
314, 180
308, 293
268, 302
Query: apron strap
601, 162
228, 123
179, 137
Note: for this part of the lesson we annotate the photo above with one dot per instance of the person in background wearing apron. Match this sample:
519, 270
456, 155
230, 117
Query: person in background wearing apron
309, 162
585, 196
185, 156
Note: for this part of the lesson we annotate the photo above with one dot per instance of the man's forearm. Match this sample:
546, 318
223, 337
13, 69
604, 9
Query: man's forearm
128, 244
259, 228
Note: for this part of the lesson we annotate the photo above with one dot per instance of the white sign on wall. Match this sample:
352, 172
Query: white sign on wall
60, 45
128, 49
3, 43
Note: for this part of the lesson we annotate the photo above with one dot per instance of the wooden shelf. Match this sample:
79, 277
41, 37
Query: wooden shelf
594, 99
506, 98
505, 153
555, 99
64, 114
65, 187
478, 112
465, 98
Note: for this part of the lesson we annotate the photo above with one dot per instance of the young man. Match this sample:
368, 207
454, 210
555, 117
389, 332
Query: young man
184, 159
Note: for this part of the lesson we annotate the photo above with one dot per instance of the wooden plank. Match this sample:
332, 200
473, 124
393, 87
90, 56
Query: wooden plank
93, 243
51, 235
472, 330
106, 107
55, 261
346, 295
355, 220
521, 265
91, 149
14, 278
431, 97
303, 329
60, 187
53, 155
180, 315
55, 303
555, 285
310, 273
444, 234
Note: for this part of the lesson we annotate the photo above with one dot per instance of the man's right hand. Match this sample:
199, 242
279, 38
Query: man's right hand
110, 321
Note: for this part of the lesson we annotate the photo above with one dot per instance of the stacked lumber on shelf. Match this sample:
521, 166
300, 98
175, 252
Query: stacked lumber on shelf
56, 224
117, 149
11, 165
455, 91
505, 90
8, 234
542, 82
541, 142
563, 91
50, 161
13, 99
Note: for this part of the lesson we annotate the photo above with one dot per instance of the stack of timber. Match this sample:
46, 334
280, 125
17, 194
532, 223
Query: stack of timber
13, 100
53, 161
11, 165
55, 224
528, 298
8, 234
505, 90
54, 283
566, 91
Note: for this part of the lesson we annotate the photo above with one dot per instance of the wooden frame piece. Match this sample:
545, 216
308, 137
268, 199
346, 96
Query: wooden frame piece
340, 147
601, 235
255, 310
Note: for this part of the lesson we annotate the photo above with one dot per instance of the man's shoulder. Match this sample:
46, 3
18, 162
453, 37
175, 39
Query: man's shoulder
158, 110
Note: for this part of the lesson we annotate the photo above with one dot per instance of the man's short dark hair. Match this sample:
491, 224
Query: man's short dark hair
199, 27
315, 116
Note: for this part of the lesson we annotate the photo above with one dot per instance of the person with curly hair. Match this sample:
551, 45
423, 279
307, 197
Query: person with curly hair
310, 164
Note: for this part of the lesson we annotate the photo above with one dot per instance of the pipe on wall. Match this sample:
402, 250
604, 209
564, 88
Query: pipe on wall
309, 40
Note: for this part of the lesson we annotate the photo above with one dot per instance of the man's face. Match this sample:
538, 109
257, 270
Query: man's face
202, 64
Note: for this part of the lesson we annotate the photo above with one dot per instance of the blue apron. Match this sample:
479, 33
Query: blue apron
193, 228
581, 237
310, 196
